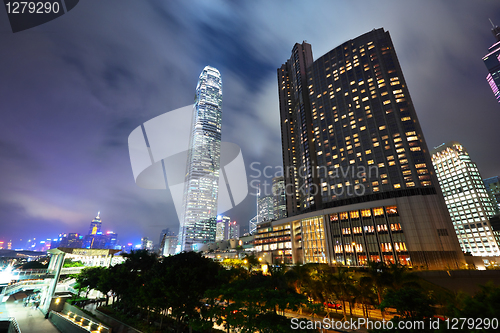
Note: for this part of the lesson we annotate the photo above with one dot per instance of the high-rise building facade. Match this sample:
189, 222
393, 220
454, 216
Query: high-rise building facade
168, 244
357, 171
146, 244
233, 230
493, 186
198, 221
279, 198
95, 225
467, 199
266, 208
492, 62
96, 239
222, 228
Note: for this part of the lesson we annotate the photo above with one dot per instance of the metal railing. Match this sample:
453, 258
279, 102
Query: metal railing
14, 323
25, 285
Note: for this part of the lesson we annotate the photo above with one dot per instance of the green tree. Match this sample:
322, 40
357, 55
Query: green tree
71, 263
484, 304
365, 294
342, 285
89, 278
187, 276
410, 303
399, 276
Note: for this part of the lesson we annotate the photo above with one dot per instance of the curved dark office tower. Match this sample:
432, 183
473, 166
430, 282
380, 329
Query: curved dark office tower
492, 62
354, 153
198, 223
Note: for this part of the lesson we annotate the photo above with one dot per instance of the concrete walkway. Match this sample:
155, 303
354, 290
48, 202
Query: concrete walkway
29, 320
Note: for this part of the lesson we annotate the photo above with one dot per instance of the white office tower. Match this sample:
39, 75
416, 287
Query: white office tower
468, 202
222, 228
198, 222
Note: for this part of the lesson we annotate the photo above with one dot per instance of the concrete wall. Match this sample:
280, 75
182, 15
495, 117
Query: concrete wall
65, 325
468, 281
116, 325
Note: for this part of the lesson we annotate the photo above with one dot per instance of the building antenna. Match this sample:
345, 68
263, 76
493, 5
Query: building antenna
491, 23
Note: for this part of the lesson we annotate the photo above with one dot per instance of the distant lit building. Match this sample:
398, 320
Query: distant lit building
168, 244
111, 240
233, 231
71, 240
467, 199
146, 244
492, 62
222, 228
493, 186
95, 225
266, 208
96, 239
166, 232
279, 198
252, 224
273, 243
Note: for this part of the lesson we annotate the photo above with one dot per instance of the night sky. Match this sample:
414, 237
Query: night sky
73, 89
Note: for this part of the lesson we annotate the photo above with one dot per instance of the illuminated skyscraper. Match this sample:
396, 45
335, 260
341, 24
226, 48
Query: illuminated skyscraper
202, 174
233, 231
468, 201
222, 228
492, 62
354, 152
95, 225
266, 208
493, 186
279, 198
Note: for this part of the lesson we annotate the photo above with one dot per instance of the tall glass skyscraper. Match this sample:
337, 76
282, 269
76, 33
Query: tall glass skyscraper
358, 174
198, 222
492, 62
467, 198
266, 208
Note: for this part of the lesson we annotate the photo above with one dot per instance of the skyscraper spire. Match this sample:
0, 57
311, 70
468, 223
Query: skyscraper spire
495, 30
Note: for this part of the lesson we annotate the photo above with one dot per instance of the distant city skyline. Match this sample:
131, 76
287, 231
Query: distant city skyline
73, 89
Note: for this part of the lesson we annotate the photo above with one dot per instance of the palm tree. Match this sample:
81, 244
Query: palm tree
379, 276
342, 283
300, 277
401, 277
365, 293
